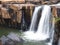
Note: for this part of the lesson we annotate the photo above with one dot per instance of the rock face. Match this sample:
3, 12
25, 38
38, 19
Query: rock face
12, 39
57, 33
0, 42
59, 42
11, 14
20, 1
54, 1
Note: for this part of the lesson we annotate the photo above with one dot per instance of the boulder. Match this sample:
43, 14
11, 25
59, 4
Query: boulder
12, 39
3, 39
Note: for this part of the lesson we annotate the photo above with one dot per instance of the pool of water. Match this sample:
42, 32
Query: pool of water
34, 43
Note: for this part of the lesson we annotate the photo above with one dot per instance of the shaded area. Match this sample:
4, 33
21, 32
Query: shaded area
57, 32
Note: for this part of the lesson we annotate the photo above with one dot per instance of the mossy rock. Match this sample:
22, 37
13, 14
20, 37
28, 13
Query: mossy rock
57, 23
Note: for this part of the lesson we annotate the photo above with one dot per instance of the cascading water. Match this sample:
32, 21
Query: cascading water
44, 28
44, 21
34, 19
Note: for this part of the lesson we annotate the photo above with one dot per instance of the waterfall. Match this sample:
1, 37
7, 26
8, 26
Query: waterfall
34, 18
45, 28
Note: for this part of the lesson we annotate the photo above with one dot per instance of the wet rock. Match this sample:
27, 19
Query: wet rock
12, 39
56, 33
47, 40
0, 42
3, 39
11, 42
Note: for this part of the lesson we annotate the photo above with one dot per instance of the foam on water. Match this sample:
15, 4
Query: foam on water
35, 36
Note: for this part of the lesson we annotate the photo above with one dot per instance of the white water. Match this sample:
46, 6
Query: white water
43, 31
34, 18
44, 21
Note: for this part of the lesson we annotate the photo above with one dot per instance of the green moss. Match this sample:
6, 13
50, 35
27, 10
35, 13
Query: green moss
6, 31
57, 19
